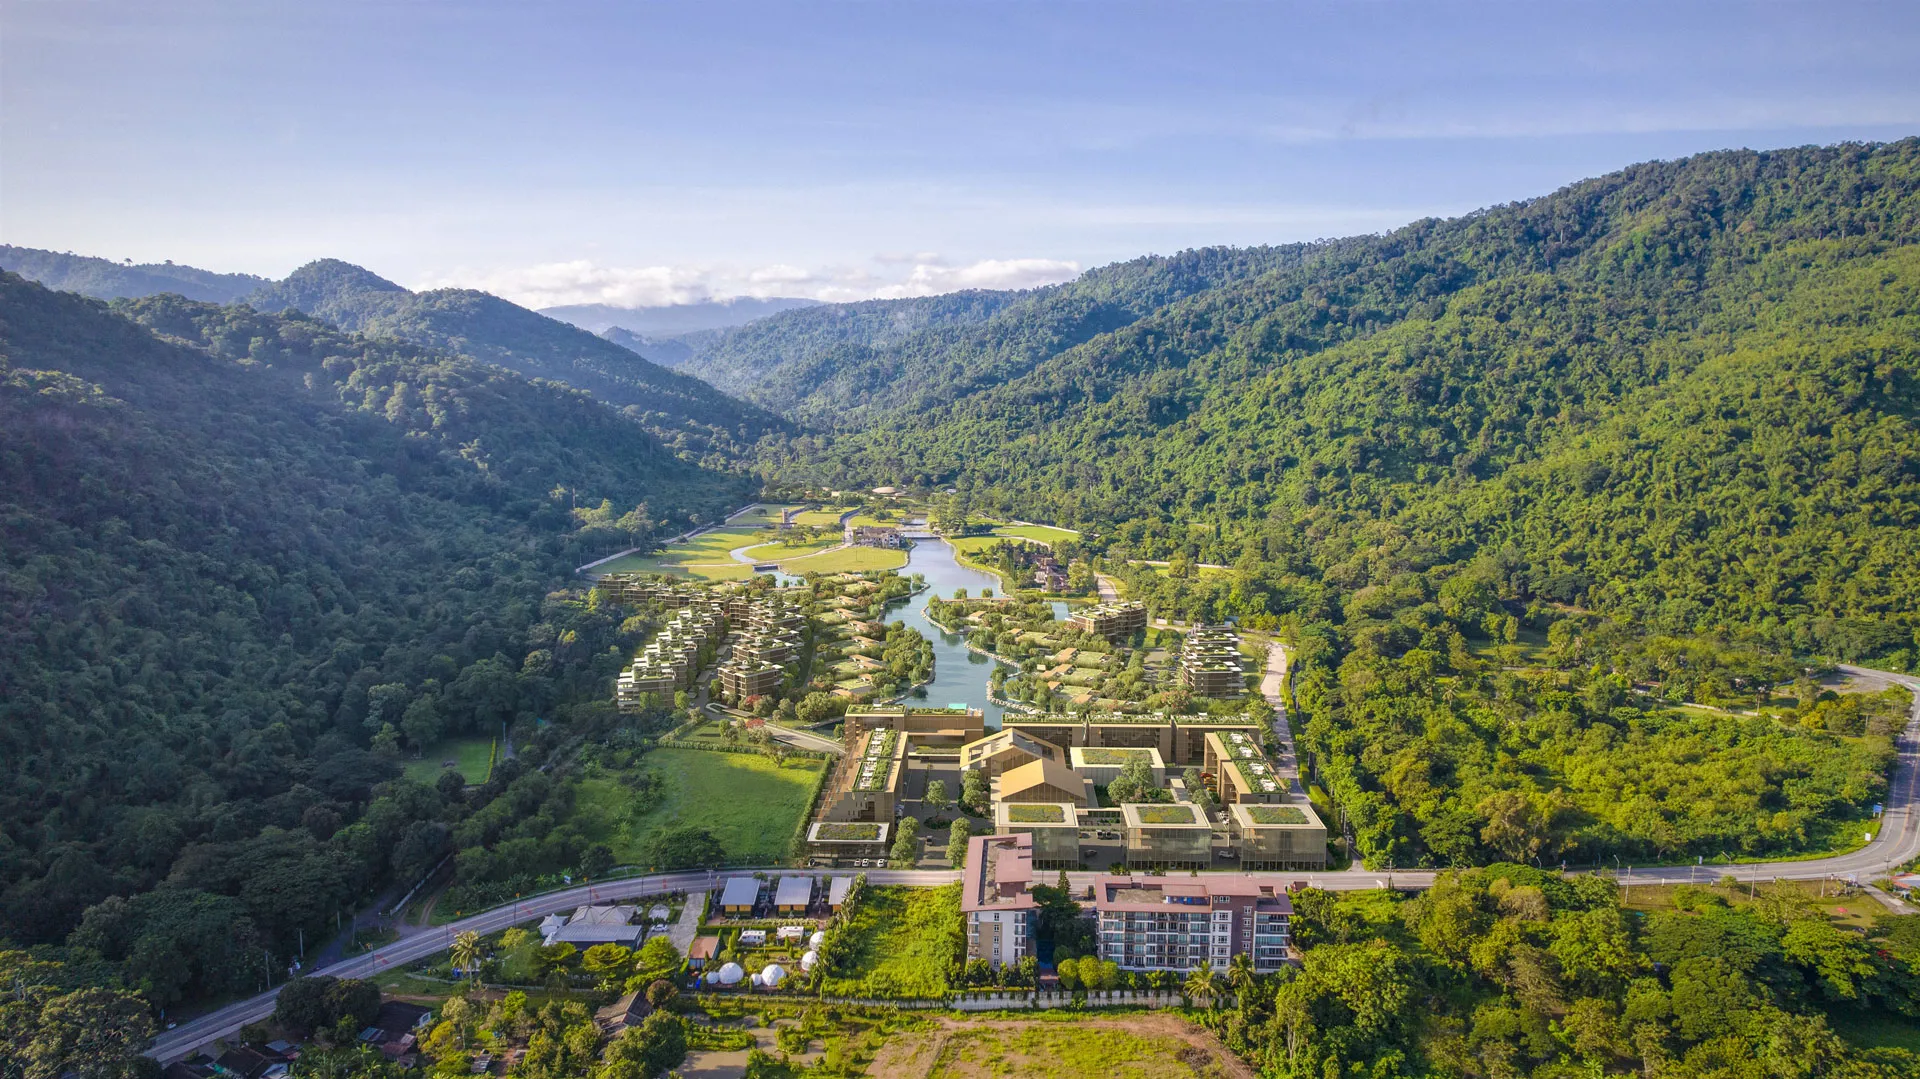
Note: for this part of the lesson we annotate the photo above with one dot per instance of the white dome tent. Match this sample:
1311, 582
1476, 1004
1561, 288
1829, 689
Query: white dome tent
730, 974
816, 940
773, 975
809, 960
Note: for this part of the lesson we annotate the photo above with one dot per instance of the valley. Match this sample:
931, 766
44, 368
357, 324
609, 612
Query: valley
1484, 647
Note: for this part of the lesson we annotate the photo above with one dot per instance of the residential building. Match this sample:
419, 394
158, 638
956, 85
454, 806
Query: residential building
994, 898
875, 536
1277, 837
626, 1012
1169, 835
1003, 750
1181, 740
591, 925
739, 895
1210, 663
793, 895
1054, 826
1042, 781
847, 842
1164, 923
865, 785
1240, 769
741, 680
954, 725
1102, 765
1114, 621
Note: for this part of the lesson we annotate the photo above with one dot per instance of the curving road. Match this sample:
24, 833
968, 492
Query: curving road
1896, 843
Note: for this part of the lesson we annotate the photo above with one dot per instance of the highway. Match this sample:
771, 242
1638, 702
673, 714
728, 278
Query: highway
1896, 843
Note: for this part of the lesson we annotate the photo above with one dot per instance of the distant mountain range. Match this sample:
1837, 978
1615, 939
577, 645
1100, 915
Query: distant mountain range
690, 415
671, 319
107, 280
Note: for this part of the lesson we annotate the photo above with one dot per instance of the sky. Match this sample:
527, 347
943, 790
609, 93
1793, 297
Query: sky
638, 154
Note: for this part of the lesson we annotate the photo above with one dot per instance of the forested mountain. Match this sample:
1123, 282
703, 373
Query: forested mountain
107, 280
846, 365
663, 320
673, 352
686, 413
244, 559
1684, 393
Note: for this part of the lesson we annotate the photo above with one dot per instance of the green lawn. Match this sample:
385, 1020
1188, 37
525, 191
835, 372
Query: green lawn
846, 560
1044, 533
820, 518
761, 515
904, 940
749, 803
472, 757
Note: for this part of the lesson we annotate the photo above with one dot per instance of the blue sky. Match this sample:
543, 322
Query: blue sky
638, 153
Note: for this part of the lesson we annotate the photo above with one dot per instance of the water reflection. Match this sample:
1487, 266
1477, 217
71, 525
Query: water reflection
959, 675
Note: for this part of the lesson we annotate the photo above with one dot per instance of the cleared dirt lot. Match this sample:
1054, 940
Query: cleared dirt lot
1135, 1047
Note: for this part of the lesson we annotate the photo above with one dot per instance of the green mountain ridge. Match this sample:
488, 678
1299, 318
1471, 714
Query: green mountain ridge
107, 280
1356, 412
688, 414
235, 547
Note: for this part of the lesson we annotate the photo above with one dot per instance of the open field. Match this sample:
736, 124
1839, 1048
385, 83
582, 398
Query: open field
820, 518
1044, 533
846, 560
1856, 911
761, 515
471, 757
1148, 1046
903, 940
751, 804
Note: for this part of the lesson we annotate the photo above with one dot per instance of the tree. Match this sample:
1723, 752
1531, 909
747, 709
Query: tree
685, 847
303, 1006
936, 797
1134, 783
906, 844
957, 842
974, 790
608, 961
1202, 986
467, 954
1197, 788
658, 954
89, 1033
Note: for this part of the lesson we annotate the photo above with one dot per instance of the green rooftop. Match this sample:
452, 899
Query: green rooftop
1035, 814
1178, 813
1260, 814
847, 833
1100, 755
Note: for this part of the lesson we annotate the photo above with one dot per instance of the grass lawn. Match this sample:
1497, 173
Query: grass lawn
1855, 911
904, 939
846, 560
472, 757
706, 556
751, 804
1044, 533
760, 515
820, 518
775, 552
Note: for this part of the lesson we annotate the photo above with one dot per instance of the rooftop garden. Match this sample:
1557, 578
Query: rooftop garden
838, 832
1178, 813
1105, 756
1258, 774
1276, 814
1036, 814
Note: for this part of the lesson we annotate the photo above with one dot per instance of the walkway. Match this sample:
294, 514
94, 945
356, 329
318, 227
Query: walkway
687, 927
1273, 686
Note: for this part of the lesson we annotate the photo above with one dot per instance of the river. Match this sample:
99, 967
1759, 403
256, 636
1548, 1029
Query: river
959, 675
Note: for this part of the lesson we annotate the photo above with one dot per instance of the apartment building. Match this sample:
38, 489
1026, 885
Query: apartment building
1180, 740
1114, 621
954, 725
1210, 663
1241, 771
1161, 923
994, 898
865, 785
1277, 837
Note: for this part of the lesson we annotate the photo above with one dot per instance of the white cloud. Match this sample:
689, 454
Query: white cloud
891, 277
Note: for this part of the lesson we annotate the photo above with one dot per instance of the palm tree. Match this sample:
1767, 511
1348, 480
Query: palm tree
1202, 984
466, 954
1241, 977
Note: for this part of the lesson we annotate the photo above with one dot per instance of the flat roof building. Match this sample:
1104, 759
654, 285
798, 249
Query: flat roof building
1181, 740
1054, 826
1210, 663
1163, 923
951, 726
1172, 835
1113, 621
1102, 764
1277, 837
793, 895
1240, 769
865, 785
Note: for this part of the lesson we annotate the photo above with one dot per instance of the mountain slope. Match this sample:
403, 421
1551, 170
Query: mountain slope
106, 280
688, 414
666, 320
1357, 414
235, 550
